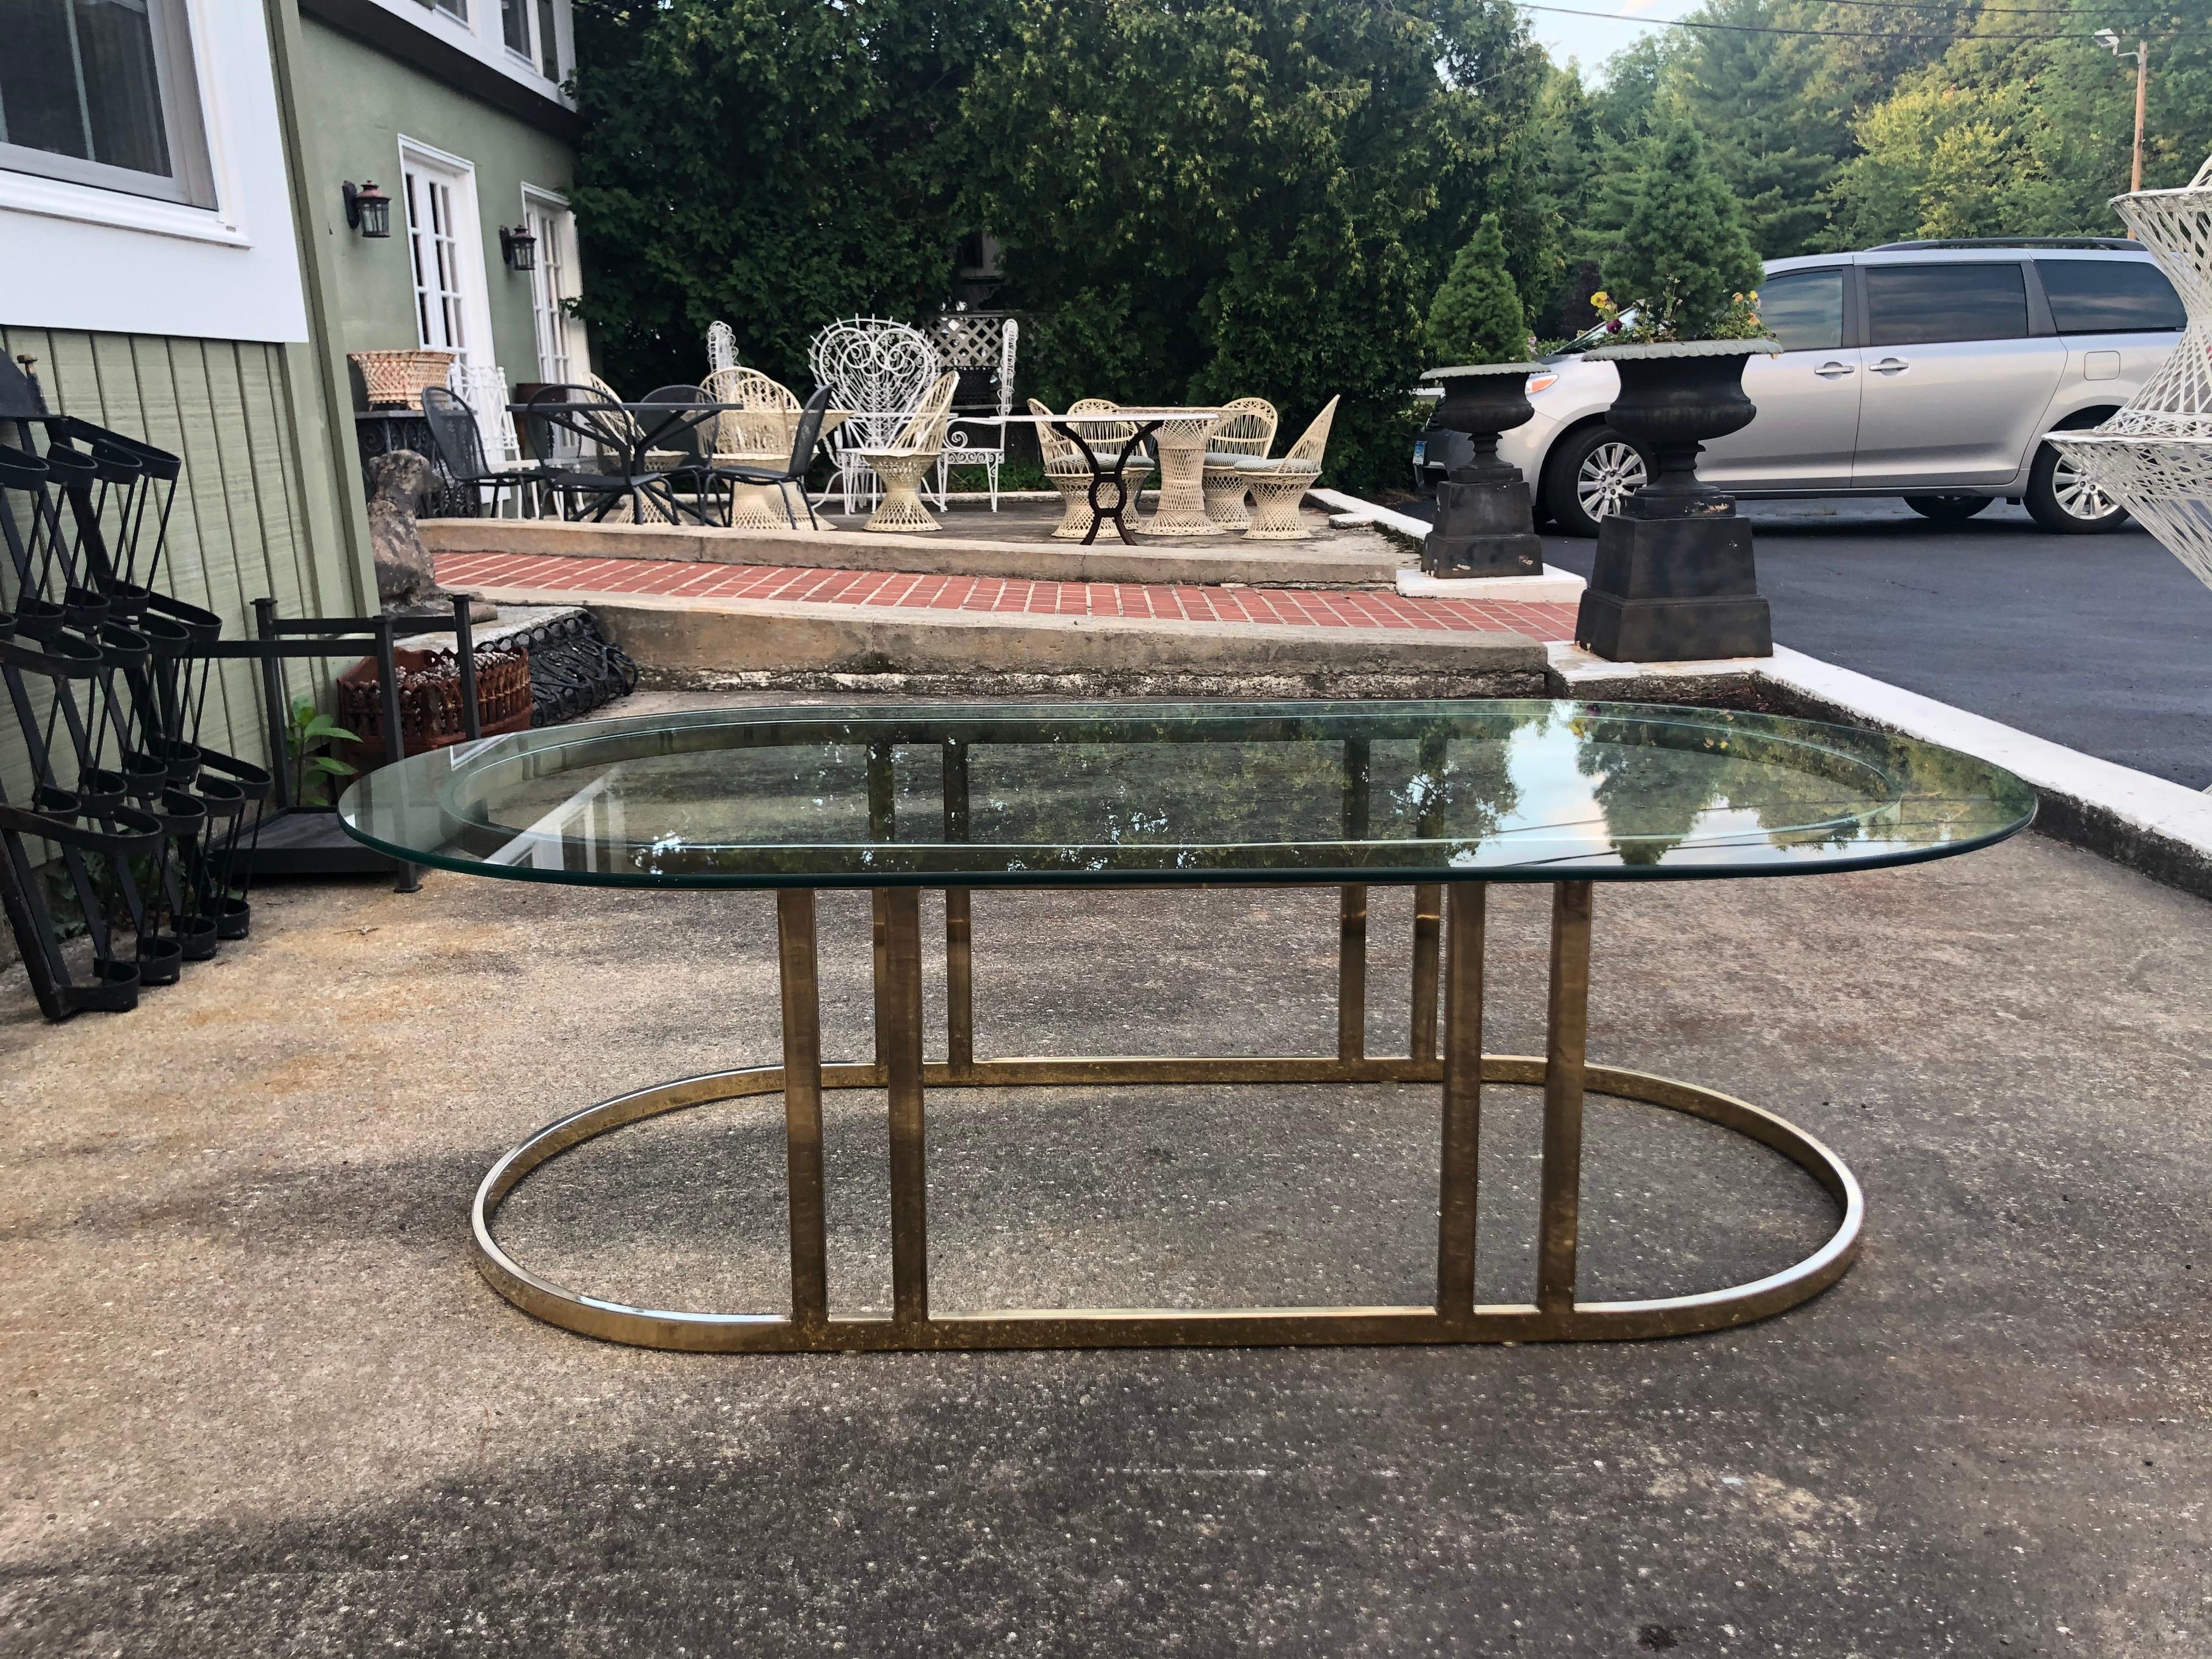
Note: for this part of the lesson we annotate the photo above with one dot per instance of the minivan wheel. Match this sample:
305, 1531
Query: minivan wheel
1590, 476
2060, 499
1947, 509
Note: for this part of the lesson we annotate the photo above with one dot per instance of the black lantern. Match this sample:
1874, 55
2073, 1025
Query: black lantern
368, 210
518, 248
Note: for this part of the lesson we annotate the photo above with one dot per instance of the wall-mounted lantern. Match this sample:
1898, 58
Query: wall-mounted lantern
518, 248
368, 210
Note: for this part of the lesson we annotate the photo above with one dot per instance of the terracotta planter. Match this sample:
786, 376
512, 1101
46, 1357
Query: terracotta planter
1674, 579
1483, 525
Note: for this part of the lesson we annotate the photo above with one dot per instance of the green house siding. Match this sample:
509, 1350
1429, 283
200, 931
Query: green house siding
363, 103
252, 518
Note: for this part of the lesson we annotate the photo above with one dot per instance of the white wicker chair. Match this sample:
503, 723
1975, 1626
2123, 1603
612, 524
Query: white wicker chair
972, 342
903, 463
1066, 470
721, 347
1247, 429
880, 371
758, 435
1279, 486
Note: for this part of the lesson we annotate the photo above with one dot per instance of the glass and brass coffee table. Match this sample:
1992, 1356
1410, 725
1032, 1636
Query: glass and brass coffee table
1444, 798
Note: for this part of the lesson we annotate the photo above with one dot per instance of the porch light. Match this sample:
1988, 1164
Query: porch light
368, 210
518, 248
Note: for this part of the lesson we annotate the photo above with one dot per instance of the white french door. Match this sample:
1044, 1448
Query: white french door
445, 248
562, 354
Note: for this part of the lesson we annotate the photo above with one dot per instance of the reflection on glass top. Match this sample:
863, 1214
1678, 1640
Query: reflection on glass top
1071, 794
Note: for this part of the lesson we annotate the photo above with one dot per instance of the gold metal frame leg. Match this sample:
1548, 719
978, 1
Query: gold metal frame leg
1567, 1033
1428, 933
898, 1019
1352, 973
802, 1104
1462, 1104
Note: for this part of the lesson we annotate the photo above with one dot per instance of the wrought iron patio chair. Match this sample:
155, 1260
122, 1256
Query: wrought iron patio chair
458, 434
580, 412
806, 435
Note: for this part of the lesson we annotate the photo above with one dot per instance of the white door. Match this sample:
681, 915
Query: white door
445, 249
1956, 388
1807, 396
561, 357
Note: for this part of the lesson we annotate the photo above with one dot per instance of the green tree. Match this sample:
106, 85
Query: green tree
1225, 198
1476, 317
1682, 255
776, 163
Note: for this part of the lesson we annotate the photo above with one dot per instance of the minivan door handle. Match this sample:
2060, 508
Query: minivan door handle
1891, 366
1831, 371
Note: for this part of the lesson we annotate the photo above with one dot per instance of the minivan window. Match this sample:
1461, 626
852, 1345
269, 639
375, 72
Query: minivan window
1922, 305
1804, 309
2109, 296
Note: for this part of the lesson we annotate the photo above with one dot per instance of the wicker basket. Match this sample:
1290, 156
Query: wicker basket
395, 379
430, 700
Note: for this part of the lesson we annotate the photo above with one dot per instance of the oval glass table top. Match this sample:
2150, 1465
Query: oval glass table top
1077, 794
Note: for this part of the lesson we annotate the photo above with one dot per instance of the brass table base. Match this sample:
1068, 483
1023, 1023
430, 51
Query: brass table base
1460, 1069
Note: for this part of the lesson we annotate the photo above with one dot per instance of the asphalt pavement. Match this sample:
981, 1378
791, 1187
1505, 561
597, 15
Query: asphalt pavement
2103, 643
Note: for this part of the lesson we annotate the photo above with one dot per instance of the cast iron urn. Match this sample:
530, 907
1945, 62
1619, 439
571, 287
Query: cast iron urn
1674, 579
1483, 525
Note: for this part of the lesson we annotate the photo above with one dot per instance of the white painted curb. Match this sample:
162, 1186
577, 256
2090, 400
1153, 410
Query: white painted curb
1554, 586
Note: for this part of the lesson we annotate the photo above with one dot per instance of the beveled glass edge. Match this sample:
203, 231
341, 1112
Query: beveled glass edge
1308, 876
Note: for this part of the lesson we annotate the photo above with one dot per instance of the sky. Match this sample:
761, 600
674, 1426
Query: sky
1591, 40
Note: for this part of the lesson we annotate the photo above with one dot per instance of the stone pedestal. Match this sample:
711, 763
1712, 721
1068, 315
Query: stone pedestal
1674, 589
1482, 528
1674, 579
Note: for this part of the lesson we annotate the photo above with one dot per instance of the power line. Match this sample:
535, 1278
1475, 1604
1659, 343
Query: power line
1765, 29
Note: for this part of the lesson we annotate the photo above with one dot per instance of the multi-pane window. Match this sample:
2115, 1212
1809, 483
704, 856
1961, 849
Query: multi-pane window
548, 42
434, 246
514, 25
100, 92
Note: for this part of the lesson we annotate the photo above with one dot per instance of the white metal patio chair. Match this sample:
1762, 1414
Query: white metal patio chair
879, 371
721, 347
979, 346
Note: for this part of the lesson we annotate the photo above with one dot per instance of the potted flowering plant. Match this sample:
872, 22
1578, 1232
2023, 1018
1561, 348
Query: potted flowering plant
1478, 326
1673, 577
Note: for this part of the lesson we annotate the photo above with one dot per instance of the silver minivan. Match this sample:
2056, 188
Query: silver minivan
1929, 370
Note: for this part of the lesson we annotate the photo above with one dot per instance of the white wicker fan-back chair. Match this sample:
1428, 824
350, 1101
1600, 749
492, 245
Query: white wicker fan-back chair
721, 347
880, 371
1279, 486
903, 463
758, 432
1246, 430
981, 347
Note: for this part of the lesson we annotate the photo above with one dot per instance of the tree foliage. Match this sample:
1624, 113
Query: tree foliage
1476, 317
1682, 256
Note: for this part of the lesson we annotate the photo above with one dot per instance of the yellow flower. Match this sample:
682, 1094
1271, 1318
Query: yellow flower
1601, 298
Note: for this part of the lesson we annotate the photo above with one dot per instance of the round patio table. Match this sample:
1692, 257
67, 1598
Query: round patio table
1446, 798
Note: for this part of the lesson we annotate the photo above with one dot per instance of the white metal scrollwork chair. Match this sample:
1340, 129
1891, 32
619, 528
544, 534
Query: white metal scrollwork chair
1066, 470
879, 372
721, 347
1279, 486
980, 347
483, 387
902, 464
1247, 429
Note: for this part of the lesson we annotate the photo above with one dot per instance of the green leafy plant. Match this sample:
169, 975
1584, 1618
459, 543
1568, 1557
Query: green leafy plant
1476, 316
308, 734
1682, 262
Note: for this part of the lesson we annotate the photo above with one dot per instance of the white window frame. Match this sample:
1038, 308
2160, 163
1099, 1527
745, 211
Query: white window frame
199, 143
460, 178
547, 214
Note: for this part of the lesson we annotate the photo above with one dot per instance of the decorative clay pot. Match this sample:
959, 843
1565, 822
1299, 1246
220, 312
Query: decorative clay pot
1674, 579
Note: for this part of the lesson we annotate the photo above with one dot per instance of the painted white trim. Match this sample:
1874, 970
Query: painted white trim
1353, 511
484, 39
468, 240
1554, 586
539, 199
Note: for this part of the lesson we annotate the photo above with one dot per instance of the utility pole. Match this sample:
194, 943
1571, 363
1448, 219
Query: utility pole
2110, 42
